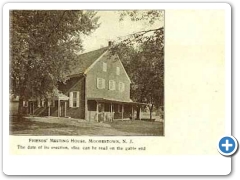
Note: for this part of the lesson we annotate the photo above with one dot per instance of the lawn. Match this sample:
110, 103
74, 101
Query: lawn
139, 127
53, 126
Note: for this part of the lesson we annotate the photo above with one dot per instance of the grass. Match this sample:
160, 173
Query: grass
139, 127
40, 126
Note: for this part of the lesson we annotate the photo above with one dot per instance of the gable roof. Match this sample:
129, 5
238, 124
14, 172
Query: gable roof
85, 60
69, 84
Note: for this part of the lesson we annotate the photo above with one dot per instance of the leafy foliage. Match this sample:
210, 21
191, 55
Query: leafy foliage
43, 47
151, 16
142, 54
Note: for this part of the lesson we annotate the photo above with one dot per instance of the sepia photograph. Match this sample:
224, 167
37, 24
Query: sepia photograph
112, 83
86, 73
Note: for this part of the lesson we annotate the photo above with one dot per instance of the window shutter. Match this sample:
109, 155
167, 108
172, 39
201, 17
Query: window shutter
121, 86
112, 85
39, 102
43, 103
71, 99
103, 83
99, 83
78, 99
25, 103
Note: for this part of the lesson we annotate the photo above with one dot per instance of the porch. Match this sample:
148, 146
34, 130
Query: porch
52, 106
101, 109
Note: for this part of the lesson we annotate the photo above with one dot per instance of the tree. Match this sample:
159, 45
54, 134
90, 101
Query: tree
43, 48
142, 54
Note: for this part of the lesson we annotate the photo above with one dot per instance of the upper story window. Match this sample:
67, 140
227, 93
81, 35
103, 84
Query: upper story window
104, 67
118, 71
74, 99
121, 86
112, 85
100, 83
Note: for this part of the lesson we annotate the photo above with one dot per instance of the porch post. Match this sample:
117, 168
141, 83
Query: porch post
33, 107
27, 108
111, 113
58, 107
30, 108
97, 111
87, 114
140, 118
86, 110
132, 113
122, 111
65, 108
48, 110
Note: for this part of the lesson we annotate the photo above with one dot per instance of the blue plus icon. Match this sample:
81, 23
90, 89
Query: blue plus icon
227, 145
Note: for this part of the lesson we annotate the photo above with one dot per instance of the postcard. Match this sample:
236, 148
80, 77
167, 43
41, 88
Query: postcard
116, 88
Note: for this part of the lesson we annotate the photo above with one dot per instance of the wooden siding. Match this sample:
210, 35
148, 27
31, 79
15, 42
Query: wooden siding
97, 72
75, 84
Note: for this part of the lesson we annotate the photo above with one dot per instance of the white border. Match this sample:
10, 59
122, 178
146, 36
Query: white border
113, 165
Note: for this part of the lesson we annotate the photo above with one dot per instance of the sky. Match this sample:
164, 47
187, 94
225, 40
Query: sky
111, 28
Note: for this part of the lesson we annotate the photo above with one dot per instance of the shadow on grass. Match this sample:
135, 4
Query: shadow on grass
143, 128
25, 126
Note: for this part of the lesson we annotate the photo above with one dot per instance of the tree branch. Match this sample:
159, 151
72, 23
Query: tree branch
143, 32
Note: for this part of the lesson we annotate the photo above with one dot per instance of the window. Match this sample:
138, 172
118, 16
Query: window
112, 85
43, 103
121, 86
118, 71
105, 67
39, 103
74, 99
100, 83
25, 103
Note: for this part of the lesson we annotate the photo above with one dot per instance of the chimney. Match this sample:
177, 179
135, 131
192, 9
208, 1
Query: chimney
109, 43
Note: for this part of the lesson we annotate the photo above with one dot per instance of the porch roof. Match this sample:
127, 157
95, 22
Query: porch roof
115, 101
60, 96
